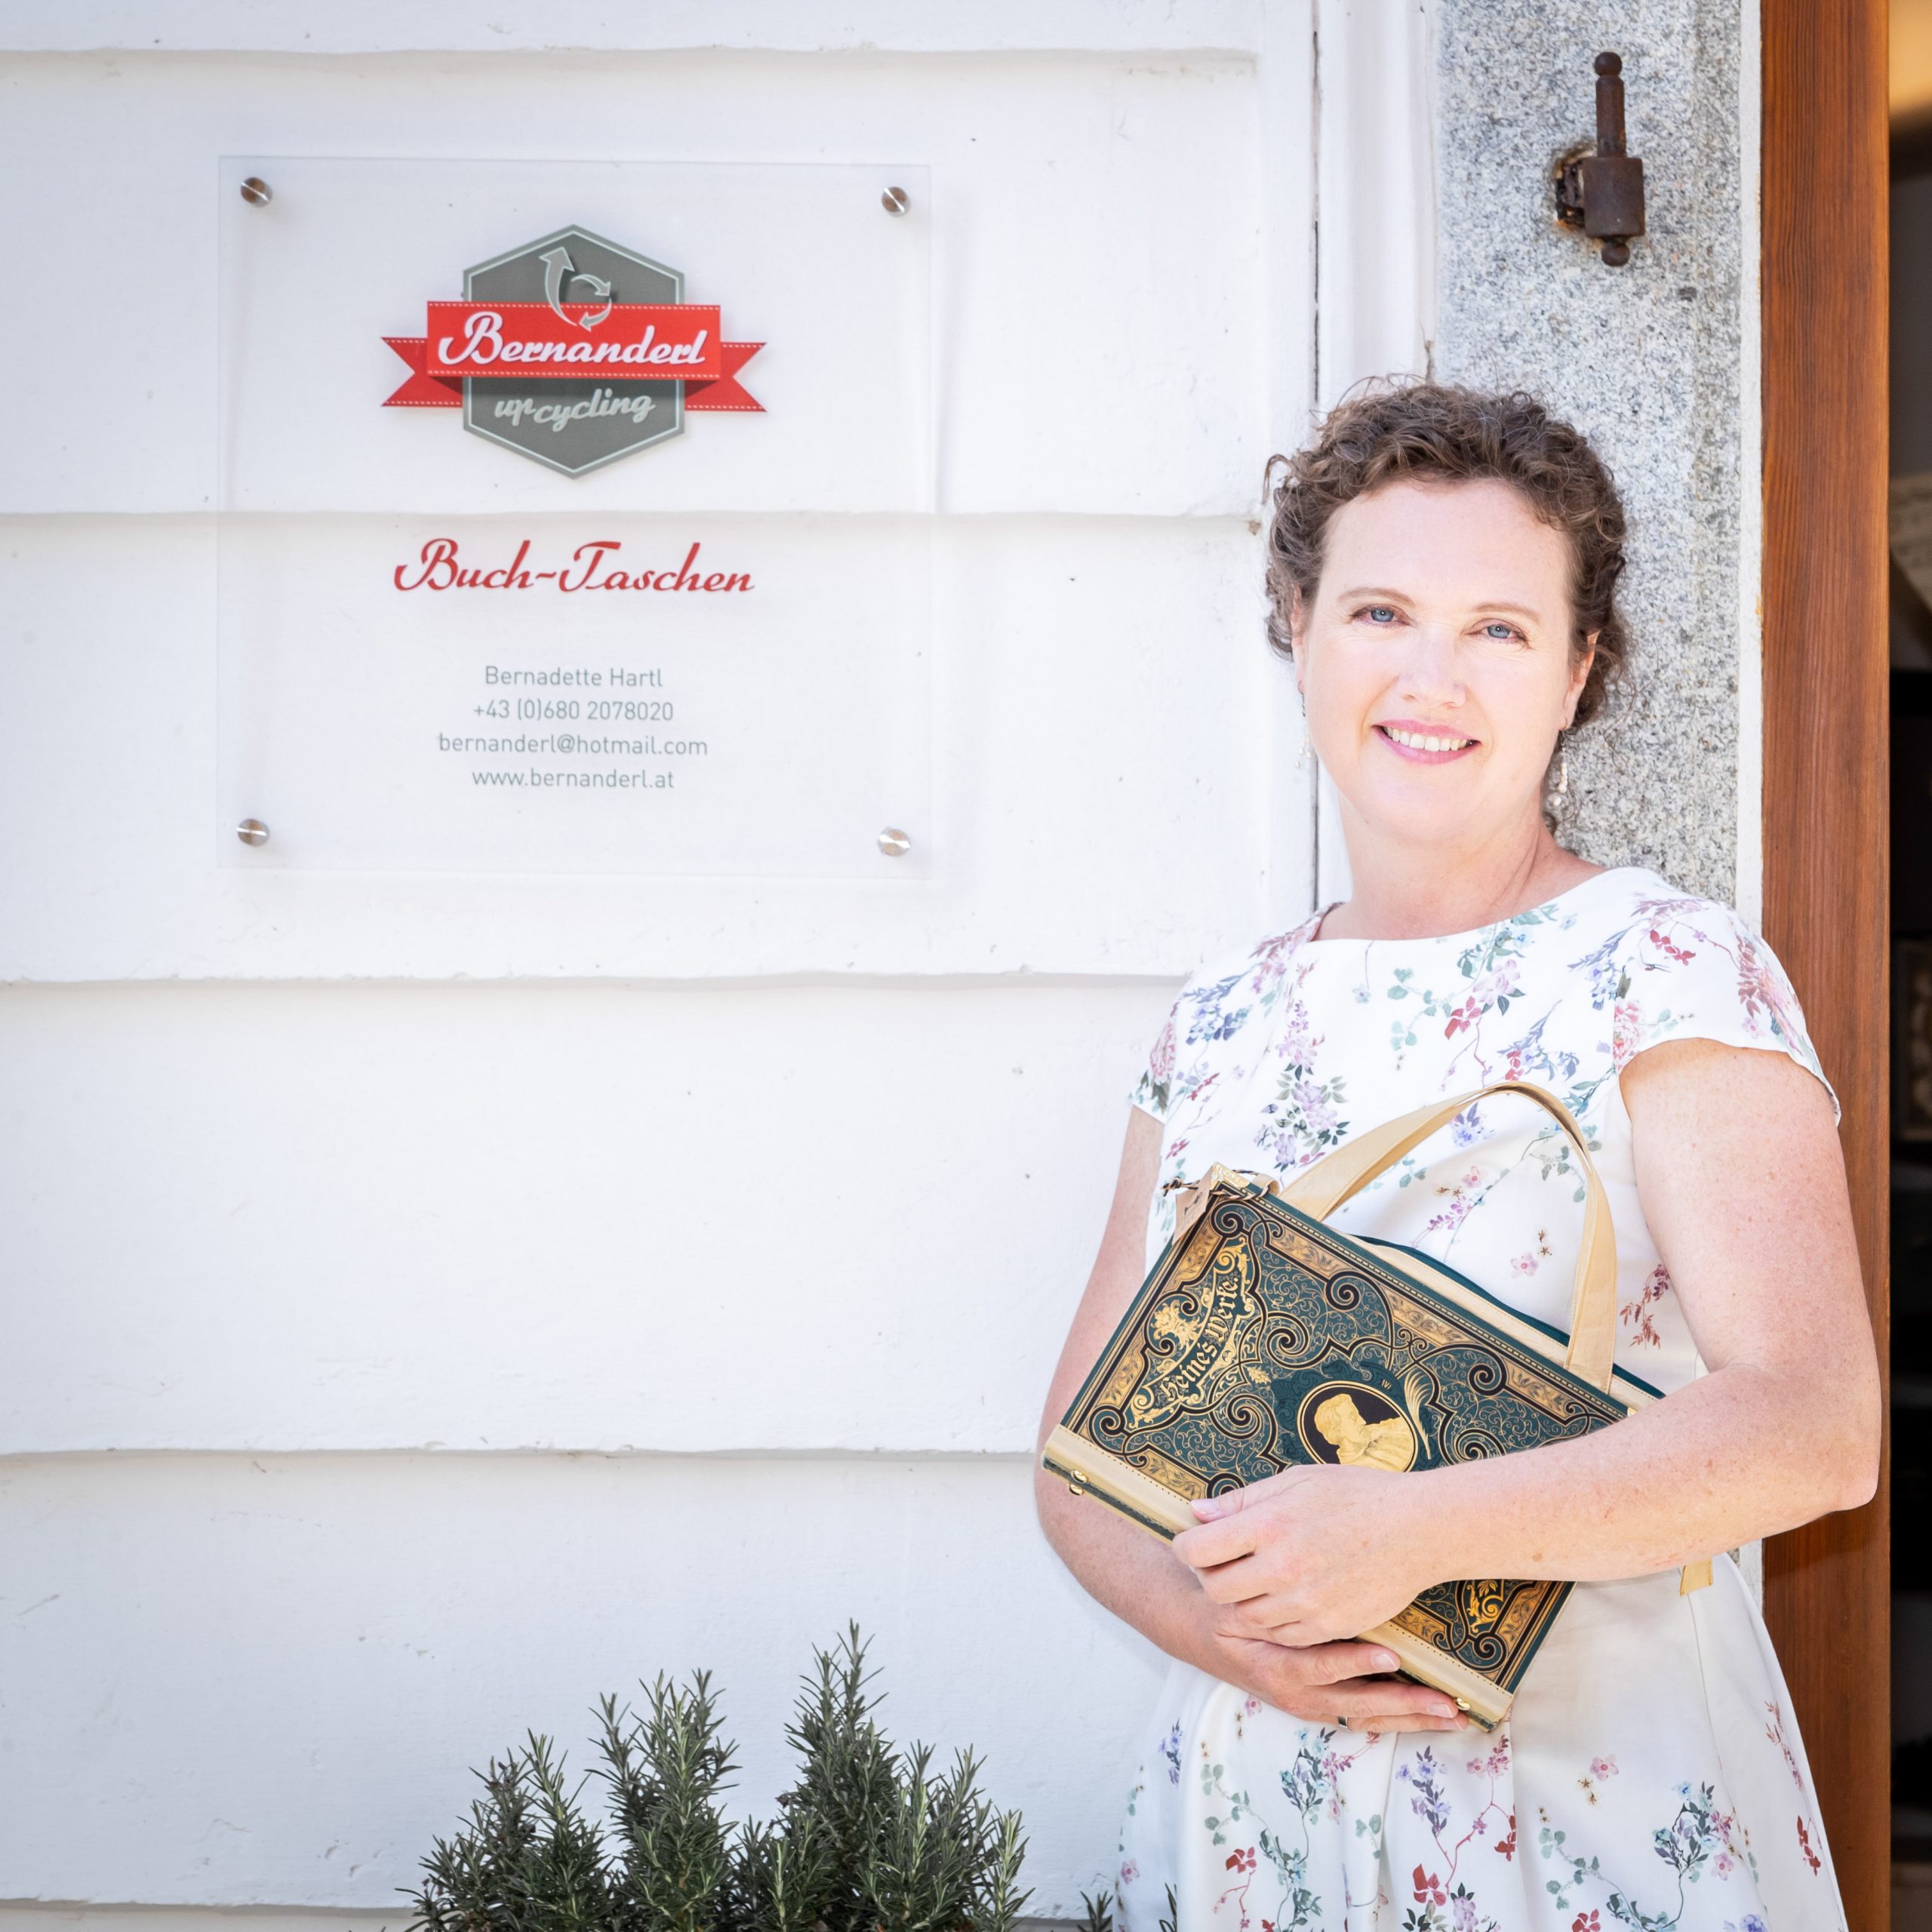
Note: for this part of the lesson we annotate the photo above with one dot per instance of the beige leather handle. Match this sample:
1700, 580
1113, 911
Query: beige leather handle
1337, 1177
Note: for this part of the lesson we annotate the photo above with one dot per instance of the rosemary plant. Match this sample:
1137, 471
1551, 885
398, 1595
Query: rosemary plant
869, 1838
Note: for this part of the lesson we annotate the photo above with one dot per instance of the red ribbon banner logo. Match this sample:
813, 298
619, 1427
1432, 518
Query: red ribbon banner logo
545, 356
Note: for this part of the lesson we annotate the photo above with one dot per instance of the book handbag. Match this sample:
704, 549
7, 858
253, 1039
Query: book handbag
1264, 1338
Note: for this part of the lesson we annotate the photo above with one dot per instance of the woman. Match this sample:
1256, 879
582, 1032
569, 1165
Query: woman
1442, 567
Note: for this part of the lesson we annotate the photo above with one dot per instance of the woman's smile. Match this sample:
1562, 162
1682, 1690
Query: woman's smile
1423, 744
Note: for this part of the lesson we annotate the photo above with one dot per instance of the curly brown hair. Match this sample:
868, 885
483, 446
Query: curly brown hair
1402, 429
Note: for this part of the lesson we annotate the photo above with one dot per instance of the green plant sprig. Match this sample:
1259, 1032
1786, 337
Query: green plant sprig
869, 1839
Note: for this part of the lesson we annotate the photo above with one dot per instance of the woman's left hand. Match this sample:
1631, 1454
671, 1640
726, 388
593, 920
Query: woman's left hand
1311, 1555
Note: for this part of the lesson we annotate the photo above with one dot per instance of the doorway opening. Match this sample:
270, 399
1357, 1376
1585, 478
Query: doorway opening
1909, 412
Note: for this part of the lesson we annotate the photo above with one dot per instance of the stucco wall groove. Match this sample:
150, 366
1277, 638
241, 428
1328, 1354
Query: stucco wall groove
1006, 27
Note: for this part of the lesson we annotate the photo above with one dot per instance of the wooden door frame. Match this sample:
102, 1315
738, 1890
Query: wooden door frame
1826, 801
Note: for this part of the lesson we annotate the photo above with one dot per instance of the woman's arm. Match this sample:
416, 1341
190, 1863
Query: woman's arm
1742, 1183
1137, 1576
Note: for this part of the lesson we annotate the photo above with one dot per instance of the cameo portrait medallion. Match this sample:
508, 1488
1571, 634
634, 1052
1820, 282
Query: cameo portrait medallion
1350, 1423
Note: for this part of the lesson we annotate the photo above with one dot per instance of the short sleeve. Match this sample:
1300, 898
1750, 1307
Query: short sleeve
1152, 1090
1694, 970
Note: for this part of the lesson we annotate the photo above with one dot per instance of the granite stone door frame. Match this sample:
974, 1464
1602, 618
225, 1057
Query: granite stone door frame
1825, 800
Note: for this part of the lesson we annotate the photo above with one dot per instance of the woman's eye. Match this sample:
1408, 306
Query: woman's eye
1379, 613
1501, 631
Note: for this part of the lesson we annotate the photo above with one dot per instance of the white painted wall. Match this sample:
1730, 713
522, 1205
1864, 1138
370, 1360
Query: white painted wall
378, 1378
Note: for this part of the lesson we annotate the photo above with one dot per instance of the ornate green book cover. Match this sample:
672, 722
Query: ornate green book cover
1263, 1338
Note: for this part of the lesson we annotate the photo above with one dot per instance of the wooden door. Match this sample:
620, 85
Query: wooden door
1827, 1586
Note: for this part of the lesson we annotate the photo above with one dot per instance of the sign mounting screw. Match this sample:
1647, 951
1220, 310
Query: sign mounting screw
895, 200
893, 843
257, 192
252, 831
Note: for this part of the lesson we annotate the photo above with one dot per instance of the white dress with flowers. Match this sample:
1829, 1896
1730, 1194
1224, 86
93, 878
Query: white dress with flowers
1650, 1774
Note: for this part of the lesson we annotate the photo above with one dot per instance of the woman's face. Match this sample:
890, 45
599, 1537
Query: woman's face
1434, 661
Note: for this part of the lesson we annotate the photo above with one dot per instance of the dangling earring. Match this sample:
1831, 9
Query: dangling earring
1562, 764
1307, 746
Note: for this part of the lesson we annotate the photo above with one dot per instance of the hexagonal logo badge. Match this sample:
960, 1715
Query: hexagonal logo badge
574, 351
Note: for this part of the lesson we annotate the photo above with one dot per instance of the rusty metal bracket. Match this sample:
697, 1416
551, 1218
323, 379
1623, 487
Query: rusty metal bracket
1602, 193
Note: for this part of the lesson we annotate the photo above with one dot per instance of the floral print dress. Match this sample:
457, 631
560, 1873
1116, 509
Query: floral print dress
1651, 1773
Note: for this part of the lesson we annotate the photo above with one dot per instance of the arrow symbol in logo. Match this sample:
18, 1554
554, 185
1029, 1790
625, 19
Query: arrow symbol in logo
558, 274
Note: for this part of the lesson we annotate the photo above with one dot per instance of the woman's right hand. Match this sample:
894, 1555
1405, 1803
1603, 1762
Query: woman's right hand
1345, 1684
